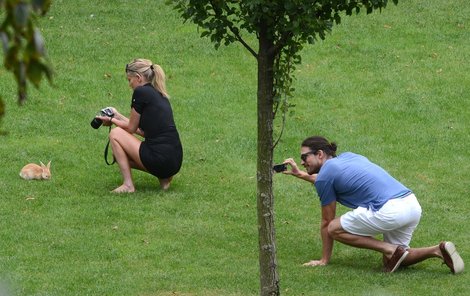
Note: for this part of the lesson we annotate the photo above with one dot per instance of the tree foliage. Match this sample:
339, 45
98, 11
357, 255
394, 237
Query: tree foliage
23, 44
289, 25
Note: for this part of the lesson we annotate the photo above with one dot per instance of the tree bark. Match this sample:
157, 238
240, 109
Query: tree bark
269, 278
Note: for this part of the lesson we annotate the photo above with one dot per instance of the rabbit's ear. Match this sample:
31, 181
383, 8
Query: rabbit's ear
49, 164
42, 164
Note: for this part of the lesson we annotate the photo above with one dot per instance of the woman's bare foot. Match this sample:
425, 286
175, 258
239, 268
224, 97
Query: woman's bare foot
165, 183
124, 189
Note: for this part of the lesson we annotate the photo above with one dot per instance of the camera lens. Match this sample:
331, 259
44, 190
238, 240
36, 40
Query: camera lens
96, 123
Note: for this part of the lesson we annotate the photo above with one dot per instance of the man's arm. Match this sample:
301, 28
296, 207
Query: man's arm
328, 213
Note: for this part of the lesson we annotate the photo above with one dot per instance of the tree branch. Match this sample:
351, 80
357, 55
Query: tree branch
218, 13
240, 39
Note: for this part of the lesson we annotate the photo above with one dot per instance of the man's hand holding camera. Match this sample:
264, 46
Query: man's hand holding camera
294, 170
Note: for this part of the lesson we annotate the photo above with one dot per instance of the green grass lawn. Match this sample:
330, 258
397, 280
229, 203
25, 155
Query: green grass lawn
393, 86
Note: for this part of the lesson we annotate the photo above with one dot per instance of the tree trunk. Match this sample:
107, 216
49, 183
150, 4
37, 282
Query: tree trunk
269, 278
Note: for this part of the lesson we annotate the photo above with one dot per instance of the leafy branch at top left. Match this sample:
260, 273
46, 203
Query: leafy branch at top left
23, 44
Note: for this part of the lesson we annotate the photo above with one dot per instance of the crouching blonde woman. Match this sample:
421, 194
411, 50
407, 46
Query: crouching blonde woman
160, 153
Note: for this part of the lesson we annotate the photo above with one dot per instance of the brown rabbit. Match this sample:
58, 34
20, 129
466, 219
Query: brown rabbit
33, 171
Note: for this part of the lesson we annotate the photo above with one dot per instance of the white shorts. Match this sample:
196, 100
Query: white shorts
396, 220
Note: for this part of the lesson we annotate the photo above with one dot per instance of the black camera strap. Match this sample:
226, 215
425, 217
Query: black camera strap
106, 152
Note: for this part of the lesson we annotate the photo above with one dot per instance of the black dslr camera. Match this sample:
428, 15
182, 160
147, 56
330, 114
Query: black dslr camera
96, 122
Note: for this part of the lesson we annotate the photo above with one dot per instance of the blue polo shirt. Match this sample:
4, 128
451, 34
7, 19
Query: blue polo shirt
353, 181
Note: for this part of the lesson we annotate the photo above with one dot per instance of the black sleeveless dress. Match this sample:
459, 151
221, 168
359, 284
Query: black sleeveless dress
161, 151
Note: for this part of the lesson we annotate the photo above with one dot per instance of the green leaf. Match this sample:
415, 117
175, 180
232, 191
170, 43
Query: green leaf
21, 15
38, 42
5, 41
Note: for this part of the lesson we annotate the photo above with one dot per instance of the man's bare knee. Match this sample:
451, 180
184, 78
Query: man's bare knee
334, 228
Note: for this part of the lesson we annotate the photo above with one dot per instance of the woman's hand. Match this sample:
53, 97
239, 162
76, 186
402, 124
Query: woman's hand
116, 112
105, 119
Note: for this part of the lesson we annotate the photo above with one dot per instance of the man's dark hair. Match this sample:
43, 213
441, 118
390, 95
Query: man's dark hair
316, 143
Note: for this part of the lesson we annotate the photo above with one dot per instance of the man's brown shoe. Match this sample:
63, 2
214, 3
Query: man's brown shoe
451, 257
397, 258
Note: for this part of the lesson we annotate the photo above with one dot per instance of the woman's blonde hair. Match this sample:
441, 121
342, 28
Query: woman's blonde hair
151, 72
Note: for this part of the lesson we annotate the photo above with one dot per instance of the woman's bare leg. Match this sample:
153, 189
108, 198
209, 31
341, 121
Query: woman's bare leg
126, 152
165, 183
